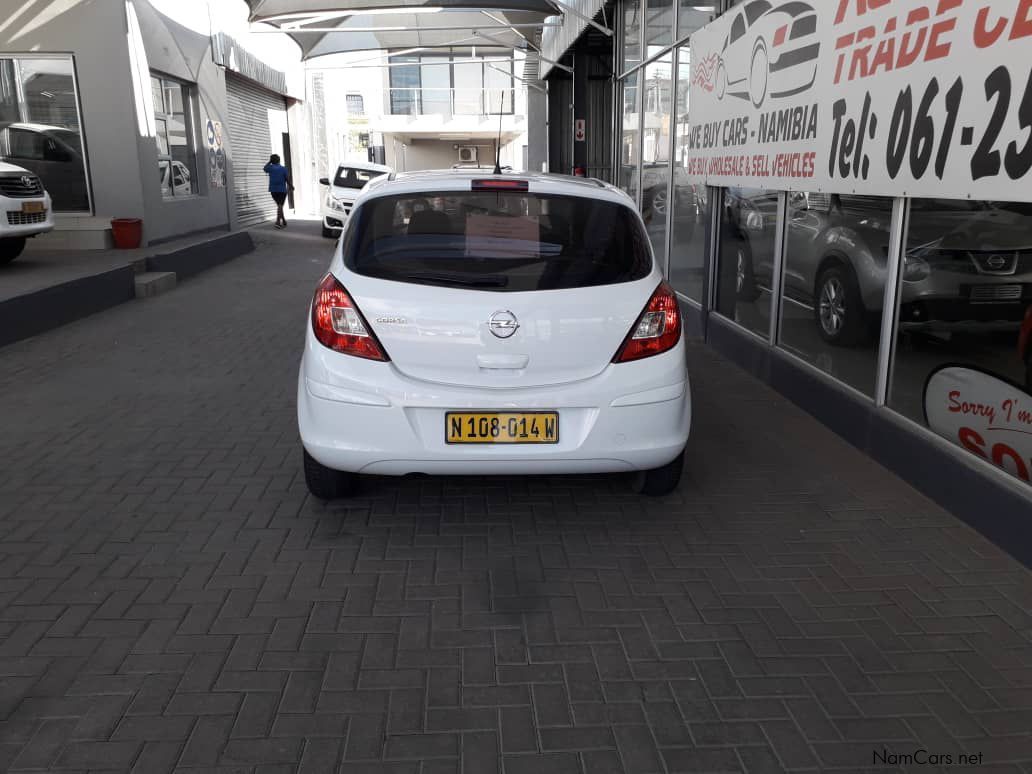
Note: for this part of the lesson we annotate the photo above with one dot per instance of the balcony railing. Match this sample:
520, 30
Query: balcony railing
459, 102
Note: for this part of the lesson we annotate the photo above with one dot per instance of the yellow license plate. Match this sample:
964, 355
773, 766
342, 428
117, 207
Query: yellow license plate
502, 427
33, 207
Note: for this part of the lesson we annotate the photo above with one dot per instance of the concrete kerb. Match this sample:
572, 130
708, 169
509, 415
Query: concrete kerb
64, 302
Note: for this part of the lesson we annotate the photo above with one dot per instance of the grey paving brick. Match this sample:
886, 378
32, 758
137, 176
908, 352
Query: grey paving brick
179, 600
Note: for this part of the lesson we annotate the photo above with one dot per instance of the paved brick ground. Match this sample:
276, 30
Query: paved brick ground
171, 598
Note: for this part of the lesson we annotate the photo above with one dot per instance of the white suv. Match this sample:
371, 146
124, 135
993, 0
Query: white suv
348, 181
25, 210
498, 324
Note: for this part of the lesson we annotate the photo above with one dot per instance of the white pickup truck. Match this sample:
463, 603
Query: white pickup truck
25, 210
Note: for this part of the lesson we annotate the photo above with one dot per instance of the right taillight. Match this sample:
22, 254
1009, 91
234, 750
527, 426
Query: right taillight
339, 325
657, 330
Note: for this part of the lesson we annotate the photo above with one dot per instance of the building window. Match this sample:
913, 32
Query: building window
747, 248
405, 85
177, 167
40, 128
688, 242
834, 283
962, 360
451, 83
655, 153
355, 104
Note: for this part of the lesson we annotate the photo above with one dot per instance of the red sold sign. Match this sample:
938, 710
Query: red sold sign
985, 415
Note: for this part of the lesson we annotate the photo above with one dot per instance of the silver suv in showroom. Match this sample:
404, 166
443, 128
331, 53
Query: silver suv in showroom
966, 263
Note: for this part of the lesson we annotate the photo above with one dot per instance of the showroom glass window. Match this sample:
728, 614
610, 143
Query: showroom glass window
174, 134
40, 129
659, 26
630, 146
965, 300
747, 248
692, 14
655, 152
631, 33
688, 241
836, 261
404, 80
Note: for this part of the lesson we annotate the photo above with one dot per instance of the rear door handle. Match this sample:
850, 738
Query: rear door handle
502, 362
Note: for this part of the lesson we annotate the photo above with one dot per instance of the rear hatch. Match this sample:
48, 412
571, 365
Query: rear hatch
498, 288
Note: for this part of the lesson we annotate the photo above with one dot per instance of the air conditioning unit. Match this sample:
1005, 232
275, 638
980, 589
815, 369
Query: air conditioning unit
468, 154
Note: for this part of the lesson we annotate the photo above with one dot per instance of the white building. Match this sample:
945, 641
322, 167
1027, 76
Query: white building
429, 110
163, 110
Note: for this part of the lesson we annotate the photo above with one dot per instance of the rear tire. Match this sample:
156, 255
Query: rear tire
327, 483
659, 481
11, 248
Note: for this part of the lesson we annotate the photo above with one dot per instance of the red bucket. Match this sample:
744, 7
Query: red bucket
127, 232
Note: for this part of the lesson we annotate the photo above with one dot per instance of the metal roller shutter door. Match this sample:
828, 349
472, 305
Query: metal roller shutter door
250, 143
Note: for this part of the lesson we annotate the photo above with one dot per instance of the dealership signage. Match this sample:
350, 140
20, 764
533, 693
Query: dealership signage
882, 97
987, 416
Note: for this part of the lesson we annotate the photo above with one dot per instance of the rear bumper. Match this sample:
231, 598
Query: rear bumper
610, 423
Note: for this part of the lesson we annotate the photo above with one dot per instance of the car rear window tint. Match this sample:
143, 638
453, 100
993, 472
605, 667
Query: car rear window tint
499, 241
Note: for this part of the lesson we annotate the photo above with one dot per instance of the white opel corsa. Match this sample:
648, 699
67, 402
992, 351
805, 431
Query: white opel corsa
498, 324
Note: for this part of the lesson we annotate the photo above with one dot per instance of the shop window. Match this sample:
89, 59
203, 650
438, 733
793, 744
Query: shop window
177, 167
630, 145
659, 25
962, 361
631, 33
688, 241
836, 253
747, 249
655, 153
692, 15
40, 128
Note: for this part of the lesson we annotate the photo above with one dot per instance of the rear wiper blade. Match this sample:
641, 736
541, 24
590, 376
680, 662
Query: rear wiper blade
491, 281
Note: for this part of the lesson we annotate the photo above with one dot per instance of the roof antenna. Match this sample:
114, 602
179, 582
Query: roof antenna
498, 142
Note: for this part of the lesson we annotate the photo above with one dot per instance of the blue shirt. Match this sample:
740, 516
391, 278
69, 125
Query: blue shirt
277, 177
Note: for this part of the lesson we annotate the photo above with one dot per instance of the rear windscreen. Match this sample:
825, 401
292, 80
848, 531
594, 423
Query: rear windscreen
500, 241
354, 178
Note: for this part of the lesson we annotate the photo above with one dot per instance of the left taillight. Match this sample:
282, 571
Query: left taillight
657, 330
339, 325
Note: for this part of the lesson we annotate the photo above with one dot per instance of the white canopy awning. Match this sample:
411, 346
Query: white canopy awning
323, 27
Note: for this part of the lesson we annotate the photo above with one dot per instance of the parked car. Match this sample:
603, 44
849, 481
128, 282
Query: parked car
25, 210
54, 154
968, 264
530, 333
175, 178
348, 181
769, 51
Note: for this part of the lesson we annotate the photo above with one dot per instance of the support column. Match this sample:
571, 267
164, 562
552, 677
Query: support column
580, 109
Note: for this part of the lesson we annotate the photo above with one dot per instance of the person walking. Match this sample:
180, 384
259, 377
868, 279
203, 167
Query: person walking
279, 185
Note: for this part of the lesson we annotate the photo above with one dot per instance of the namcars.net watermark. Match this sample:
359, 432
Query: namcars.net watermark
923, 757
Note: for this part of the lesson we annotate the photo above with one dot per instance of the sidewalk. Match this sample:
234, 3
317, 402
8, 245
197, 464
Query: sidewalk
45, 288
